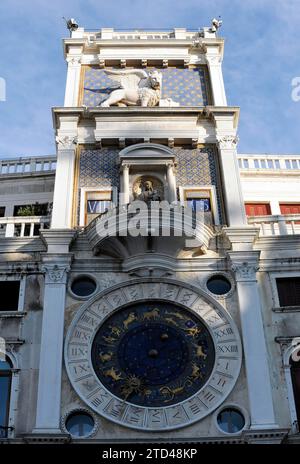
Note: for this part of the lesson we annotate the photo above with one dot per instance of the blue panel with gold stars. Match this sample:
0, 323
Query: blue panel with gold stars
186, 86
153, 354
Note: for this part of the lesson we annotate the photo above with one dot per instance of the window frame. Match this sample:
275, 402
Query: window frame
242, 410
275, 296
265, 203
84, 191
7, 373
210, 189
287, 351
21, 300
14, 391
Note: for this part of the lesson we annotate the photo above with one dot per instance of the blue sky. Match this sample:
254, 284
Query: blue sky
262, 50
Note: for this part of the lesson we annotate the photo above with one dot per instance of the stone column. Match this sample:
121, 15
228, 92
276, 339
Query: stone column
232, 189
73, 80
171, 183
56, 268
214, 63
125, 196
64, 182
245, 265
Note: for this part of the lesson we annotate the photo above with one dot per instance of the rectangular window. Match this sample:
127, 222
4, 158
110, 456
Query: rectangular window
290, 208
258, 209
199, 204
97, 206
97, 203
270, 164
32, 210
201, 200
5, 384
2, 211
277, 164
288, 291
9, 291
295, 374
256, 164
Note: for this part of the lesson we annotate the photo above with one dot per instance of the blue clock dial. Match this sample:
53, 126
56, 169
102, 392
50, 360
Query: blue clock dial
153, 354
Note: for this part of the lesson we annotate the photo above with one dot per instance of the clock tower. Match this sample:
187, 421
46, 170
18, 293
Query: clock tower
151, 296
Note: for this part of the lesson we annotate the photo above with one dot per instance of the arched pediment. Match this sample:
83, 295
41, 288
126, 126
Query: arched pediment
146, 150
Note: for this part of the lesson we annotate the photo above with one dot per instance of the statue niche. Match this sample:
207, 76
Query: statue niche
148, 189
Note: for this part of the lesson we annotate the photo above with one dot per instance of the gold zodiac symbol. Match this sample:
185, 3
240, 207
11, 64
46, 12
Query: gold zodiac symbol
200, 353
193, 331
110, 340
170, 320
151, 314
196, 373
104, 357
131, 385
116, 331
171, 392
132, 317
113, 374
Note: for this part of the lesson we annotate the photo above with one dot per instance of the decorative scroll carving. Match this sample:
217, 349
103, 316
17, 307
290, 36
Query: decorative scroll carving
55, 274
66, 142
228, 142
245, 271
74, 60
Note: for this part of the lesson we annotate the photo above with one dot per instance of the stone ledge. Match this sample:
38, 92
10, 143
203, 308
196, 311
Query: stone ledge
36, 438
286, 309
12, 314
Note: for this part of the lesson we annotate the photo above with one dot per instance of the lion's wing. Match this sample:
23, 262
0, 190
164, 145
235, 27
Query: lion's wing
128, 79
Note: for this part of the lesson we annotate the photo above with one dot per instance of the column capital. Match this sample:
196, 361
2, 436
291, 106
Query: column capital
244, 265
66, 142
227, 142
56, 267
213, 60
55, 273
73, 60
245, 272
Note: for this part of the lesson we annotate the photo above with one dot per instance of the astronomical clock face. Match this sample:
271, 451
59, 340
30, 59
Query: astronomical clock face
152, 355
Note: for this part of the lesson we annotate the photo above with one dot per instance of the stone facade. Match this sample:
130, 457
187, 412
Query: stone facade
185, 155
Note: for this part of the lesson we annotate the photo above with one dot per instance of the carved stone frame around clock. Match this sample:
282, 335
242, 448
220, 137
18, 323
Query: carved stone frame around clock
89, 388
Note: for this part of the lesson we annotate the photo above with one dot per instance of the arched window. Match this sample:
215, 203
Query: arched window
5, 387
295, 375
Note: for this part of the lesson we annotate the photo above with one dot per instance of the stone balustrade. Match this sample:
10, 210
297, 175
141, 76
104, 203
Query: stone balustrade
269, 162
27, 165
276, 224
23, 226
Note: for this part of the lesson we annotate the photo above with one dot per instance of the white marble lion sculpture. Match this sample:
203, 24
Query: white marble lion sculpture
137, 88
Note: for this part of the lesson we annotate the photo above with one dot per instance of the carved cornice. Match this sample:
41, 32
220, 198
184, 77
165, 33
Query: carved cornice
227, 142
67, 142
